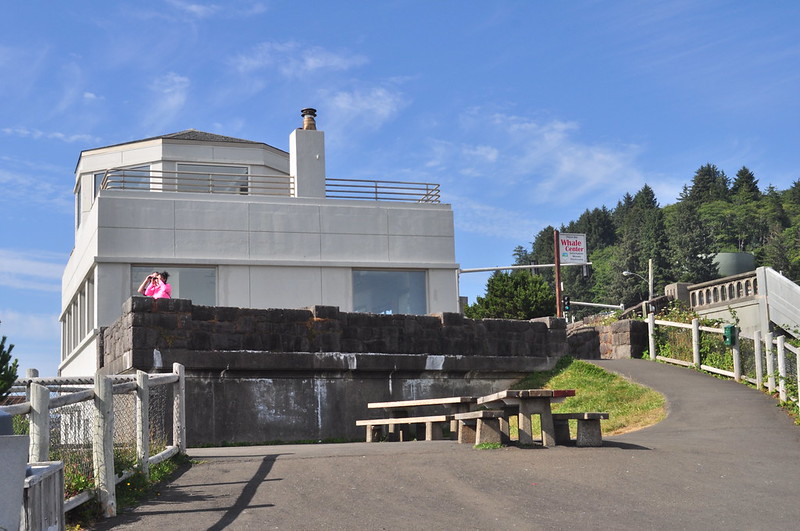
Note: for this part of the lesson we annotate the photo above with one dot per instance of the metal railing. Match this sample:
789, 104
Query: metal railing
263, 185
382, 190
194, 182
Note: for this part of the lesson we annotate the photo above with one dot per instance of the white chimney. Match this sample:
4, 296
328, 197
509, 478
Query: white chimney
307, 157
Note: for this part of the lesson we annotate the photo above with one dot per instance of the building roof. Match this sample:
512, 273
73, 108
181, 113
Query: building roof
189, 135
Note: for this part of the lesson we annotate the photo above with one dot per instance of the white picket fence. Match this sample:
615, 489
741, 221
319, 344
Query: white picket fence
772, 358
68, 391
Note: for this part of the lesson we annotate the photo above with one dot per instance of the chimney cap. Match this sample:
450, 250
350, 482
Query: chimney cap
308, 115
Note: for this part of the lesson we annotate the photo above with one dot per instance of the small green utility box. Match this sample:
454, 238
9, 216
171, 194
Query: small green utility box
730, 335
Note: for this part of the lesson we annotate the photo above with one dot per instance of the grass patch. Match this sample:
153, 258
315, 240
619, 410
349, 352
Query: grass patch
630, 406
488, 446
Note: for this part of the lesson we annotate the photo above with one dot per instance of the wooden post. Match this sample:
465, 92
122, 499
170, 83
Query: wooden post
103, 445
179, 409
782, 368
39, 424
696, 343
651, 332
737, 357
757, 354
143, 422
770, 363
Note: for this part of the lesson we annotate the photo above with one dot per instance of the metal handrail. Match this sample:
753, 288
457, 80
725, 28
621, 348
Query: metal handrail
186, 181
382, 190
268, 185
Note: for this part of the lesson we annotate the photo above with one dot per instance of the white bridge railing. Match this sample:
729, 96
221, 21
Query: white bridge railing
55, 426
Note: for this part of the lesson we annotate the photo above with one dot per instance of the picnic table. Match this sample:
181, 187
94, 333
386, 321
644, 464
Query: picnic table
525, 403
399, 419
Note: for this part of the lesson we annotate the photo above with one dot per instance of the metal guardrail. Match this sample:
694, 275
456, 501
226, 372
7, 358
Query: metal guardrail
382, 190
210, 183
263, 185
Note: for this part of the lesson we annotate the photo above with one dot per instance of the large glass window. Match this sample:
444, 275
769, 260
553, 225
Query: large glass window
196, 283
390, 292
212, 178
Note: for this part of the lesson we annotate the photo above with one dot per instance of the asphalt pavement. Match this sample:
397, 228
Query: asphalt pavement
726, 457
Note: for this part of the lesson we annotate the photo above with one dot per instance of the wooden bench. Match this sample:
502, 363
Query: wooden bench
399, 409
433, 425
482, 426
589, 433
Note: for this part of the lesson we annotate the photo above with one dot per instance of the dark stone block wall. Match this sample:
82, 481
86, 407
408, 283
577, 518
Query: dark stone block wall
255, 375
622, 339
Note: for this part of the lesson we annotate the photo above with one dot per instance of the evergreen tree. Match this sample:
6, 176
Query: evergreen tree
709, 184
516, 295
745, 186
690, 244
8, 370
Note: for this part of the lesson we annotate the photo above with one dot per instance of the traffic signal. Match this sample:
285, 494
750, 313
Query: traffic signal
565, 302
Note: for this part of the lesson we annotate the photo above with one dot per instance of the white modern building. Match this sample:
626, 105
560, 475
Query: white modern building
243, 224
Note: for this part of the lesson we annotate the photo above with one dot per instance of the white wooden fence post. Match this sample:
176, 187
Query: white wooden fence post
770, 363
651, 332
103, 445
179, 409
696, 343
757, 353
143, 422
737, 357
39, 423
782, 368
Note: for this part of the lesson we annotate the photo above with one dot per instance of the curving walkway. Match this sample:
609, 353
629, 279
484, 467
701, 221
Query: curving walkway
725, 458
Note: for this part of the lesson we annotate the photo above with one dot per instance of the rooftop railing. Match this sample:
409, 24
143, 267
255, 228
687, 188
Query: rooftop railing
263, 185
382, 190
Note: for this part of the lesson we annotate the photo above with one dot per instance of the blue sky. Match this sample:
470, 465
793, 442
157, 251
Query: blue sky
527, 113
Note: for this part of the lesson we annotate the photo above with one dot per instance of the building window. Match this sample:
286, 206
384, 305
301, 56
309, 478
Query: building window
98, 181
78, 320
212, 178
390, 292
196, 283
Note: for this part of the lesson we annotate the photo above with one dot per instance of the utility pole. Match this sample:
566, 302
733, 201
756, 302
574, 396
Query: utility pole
557, 263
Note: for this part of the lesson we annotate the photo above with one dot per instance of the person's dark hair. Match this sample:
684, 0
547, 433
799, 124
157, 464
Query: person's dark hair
164, 275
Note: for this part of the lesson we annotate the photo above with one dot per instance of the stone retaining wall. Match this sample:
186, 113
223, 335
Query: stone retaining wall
621, 339
257, 375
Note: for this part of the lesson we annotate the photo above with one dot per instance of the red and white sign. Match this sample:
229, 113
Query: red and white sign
572, 248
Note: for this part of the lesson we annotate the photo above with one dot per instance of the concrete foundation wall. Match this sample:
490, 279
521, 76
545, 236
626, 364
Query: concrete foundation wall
265, 375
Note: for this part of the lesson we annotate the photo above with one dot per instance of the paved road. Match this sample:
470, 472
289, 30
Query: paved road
725, 458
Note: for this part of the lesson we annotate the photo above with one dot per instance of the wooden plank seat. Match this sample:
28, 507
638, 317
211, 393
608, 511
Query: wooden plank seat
589, 433
433, 425
400, 408
482, 426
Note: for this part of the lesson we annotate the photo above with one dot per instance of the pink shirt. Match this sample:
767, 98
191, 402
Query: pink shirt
160, 291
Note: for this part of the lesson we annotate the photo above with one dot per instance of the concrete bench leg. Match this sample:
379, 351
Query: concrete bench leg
466, 431
488, 431
371, 432
433, 431
561, 429
589, 433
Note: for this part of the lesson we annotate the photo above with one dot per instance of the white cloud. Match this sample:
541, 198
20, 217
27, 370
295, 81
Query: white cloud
31, 270
196, 9
170, 94
362, 109
36, 134
293, 59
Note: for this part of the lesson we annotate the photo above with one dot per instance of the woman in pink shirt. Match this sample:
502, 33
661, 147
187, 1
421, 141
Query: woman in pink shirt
155, 285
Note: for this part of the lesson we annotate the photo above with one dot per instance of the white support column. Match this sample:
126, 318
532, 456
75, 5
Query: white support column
651, 332
696, 343
103, 445
39, 423
757, 354
737, 357
179, 409
143, 422
782, 368
770, 363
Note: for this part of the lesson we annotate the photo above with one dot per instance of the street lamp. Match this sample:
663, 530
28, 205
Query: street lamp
649, 279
